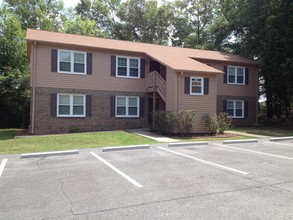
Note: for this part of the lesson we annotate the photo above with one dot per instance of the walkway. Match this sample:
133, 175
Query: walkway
144, 132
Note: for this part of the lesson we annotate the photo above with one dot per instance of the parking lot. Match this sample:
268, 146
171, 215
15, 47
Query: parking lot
214, 181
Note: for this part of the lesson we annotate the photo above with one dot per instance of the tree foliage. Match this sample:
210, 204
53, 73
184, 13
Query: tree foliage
144, 21
38, 14
14, 73
263, 30
193, 23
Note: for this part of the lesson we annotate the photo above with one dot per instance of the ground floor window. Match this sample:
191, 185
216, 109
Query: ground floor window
70, 105
127, 106
235, 108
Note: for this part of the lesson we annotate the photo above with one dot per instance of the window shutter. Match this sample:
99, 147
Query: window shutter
113, 65
187, 85
54, 60
206, 86
225, 75
53, 104
141, 106
142, 68
88, 106
112, 106
245, 109
89, 63
224, 105
246, 76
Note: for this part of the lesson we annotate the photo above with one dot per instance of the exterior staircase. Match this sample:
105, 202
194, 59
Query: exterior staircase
157, 84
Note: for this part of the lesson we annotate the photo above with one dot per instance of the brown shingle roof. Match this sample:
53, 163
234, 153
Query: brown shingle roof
178, 59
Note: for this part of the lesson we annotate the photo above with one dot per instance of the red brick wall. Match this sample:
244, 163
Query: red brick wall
252, 109
100, 119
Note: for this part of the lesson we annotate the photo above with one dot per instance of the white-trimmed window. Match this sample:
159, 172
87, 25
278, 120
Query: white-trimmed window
236, 75
127, 106
235, 108
127, 67
71, 62
196, 85
70, 105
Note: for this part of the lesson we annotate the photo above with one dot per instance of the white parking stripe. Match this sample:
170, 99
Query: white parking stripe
278, 143
3, 163
117, 170
204, 161
256, 152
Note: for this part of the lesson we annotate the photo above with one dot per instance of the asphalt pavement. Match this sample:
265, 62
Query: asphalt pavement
208, 181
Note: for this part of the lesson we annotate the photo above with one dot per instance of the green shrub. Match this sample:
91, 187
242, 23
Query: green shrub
224, 123
163, 121
185, 122
211, 123
74, 129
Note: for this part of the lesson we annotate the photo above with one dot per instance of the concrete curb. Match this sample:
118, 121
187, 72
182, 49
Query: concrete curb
282, 138
121, 148
49, 154
240, 141
186, 144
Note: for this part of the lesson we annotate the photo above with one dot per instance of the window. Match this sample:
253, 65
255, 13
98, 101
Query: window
70, 105
127, 106
235, 108
71, 62
236, 75
127, 67
196, 85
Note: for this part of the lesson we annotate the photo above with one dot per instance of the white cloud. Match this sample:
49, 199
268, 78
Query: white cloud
70, 3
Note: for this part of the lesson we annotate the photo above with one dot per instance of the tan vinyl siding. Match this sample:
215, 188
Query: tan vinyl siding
202, 104
237, 90
172, 86
100, 79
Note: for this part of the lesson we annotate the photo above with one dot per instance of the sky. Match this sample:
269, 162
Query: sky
70, 3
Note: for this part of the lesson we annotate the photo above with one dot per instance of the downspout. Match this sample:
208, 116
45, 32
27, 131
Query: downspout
33, 86
257, 96
178, 88
154, 100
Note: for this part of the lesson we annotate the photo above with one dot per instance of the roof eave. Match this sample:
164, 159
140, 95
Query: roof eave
198, 71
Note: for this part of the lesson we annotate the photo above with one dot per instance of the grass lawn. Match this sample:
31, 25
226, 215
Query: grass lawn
267, 131
11, 145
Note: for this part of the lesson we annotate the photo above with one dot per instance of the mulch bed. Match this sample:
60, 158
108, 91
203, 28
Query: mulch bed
22, 132
201, 136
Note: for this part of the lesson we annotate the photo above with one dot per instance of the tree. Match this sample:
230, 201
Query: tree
78, 25
193, 22
14, 72
263, 30
38, 14
103, 12
143, 21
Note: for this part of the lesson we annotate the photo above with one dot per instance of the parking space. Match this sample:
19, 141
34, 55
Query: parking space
197, 182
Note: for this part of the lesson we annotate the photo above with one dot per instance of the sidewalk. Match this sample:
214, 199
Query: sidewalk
144, 132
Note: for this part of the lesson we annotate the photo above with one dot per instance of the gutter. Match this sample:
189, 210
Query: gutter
34, 51
178, 88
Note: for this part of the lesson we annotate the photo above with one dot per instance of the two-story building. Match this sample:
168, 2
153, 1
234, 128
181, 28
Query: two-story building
104, 84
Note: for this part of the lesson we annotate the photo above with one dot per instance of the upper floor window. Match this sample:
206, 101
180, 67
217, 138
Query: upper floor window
69, 105
127, 106
71, 62
196, 85
236, 75
235, 108
128, 67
